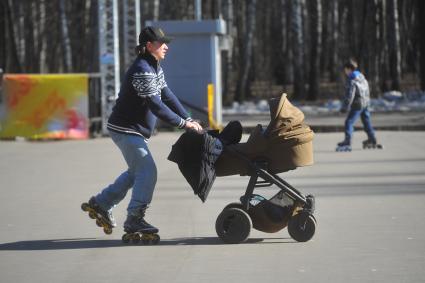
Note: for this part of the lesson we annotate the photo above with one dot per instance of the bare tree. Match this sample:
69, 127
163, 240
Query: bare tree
374, 53
394, 44
315, 48
227, 56
242, 89
287, 70
334, 34
3, 30
155, 10
29, 55
40, 35
297, 39
66, 46
13, 63
421, 40
294, 38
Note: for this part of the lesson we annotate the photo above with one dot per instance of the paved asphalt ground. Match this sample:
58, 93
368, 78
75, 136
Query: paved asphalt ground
370, 213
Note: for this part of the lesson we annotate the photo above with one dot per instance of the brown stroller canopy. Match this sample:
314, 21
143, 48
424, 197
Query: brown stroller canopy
283, 116
285, 144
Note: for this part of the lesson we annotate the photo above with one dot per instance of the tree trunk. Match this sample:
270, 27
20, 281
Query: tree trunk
93, 36
155, 10
19, 24
374, 51
297, 48
421, 39
3, 32
242, 90
363, 36
315, 51
14, 63
66, 44
334, 34
76, 18
51, 38
218, 13
383, 51
228, 54
263, 63
289, 54
285, 67
394, 44
29, 38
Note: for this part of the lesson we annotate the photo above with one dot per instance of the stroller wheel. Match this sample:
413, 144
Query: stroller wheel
302, 226
234, 205
233, 225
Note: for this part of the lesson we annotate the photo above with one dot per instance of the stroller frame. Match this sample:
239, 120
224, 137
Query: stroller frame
258, 170
269, 179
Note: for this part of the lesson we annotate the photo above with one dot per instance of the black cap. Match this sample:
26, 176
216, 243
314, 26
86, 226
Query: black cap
153, 34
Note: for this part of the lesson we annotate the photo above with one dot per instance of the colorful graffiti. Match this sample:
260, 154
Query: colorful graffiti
45, 106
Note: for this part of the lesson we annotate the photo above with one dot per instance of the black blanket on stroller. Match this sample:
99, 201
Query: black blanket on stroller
196, 154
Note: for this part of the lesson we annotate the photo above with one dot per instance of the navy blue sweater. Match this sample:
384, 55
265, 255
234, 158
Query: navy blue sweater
143, 97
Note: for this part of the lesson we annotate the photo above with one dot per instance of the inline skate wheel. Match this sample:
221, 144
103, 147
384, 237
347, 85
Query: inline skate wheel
98, 223
126, 238
85, 206
135, 238
92, 215
343, 149
107, 230
156, 239
302, 226
148, 239
233, 225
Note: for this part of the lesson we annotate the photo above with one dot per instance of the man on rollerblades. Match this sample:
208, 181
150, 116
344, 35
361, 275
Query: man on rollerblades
144, 96
356, 103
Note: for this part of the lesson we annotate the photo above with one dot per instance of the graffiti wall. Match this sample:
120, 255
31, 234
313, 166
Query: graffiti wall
45, 106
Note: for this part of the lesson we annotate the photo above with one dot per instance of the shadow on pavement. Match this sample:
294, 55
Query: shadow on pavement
91, 243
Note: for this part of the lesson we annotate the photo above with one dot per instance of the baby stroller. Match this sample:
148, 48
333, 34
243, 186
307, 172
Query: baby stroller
284, 145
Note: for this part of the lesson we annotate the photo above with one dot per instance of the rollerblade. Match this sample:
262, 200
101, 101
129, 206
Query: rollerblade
103, 217
343, 146
137, 229
371, 144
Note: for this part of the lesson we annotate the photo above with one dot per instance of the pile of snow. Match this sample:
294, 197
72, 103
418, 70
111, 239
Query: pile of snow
389, 102
247, 107
397, 101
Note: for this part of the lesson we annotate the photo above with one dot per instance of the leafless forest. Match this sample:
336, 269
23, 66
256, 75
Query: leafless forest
294, 45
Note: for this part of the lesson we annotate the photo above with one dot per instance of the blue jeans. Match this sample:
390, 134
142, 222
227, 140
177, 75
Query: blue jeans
352, 117
141, 175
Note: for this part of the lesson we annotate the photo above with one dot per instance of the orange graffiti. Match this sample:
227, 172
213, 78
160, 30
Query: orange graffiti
45, 110
17, 93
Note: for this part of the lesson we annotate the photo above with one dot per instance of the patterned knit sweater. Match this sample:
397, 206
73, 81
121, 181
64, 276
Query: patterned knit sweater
144, 96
